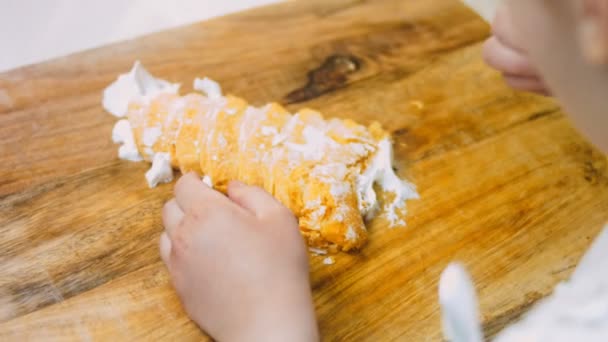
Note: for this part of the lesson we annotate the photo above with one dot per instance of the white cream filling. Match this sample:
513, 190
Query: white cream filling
306, 151
380, 171
137, 84
209, 87
328, 261
161, 171
269, 130
286, 130
207, 180
151, 135
317, 251
351, 234
123, 134
149, 152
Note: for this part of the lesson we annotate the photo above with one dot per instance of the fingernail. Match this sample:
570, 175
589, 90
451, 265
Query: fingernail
165, 247
594, 45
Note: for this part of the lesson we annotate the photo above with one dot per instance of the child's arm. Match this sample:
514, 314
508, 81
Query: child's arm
238, 263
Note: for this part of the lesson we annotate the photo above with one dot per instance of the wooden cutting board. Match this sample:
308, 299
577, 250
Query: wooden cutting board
507, 185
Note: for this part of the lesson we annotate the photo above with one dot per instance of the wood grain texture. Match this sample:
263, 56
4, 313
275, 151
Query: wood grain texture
507, 186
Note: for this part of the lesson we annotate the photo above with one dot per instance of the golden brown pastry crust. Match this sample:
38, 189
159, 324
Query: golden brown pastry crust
308, 163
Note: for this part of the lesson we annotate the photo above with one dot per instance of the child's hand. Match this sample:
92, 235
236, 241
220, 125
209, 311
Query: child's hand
503, 53
238, 263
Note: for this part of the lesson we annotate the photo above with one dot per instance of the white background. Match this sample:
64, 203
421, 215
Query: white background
35, 30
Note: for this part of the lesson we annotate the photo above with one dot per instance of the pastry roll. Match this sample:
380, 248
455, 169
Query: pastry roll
327, 171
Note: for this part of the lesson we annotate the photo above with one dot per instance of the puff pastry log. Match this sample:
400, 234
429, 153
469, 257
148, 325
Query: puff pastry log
327, 171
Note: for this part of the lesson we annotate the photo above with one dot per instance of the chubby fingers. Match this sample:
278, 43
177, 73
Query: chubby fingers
503, 53
172, 216
515, 67
506, 59
255, 200
194, 206
194, 196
